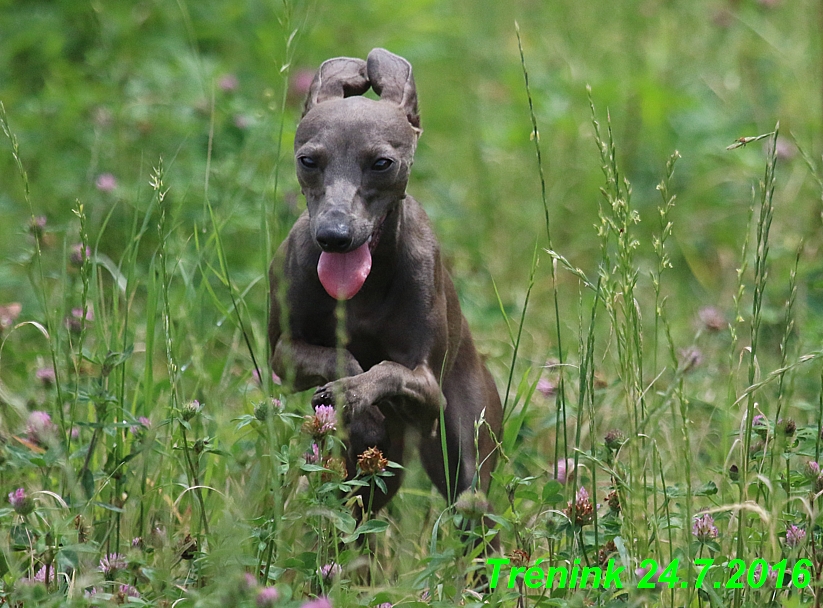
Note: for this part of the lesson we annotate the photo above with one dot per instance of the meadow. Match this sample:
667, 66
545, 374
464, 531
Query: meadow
629, 197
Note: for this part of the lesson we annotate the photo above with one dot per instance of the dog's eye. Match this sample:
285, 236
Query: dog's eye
381, 164
308, 162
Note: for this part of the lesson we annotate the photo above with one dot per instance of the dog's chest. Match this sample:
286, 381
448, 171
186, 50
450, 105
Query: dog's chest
383, 334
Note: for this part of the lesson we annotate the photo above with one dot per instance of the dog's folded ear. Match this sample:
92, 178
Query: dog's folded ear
391, 78
337, 78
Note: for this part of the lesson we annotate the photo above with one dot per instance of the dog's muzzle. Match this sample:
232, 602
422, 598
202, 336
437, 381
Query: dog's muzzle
342, 273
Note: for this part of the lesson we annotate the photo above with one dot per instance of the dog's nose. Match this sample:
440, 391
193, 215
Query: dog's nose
334, 238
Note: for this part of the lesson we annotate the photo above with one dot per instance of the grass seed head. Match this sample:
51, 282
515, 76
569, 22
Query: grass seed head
472, 504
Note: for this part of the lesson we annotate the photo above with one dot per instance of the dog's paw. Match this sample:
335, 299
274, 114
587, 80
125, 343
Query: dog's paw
343, 395
323, 396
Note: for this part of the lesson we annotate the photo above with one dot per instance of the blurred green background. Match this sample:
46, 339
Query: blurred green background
108, 87
98, 92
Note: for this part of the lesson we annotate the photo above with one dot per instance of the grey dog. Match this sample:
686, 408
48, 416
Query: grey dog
407, 354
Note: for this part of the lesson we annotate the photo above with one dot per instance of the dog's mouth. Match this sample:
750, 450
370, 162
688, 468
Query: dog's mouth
343, 274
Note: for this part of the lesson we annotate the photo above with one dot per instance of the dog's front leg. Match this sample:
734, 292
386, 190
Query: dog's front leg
417, 387
308, 365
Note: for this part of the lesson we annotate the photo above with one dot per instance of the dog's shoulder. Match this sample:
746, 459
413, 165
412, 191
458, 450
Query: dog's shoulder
423, 248
298, 253
299, 247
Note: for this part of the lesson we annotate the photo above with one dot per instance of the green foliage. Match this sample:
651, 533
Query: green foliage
667, 361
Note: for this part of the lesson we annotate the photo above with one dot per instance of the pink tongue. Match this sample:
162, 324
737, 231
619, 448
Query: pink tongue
343, 274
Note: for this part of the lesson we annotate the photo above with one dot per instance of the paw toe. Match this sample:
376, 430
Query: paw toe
322, 396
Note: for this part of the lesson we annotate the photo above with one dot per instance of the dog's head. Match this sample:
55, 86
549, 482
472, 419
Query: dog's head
353, 156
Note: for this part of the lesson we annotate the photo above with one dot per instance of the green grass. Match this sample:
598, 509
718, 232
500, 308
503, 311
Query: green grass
638, 313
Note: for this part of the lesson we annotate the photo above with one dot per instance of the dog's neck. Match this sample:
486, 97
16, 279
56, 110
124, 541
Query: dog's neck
387, 251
